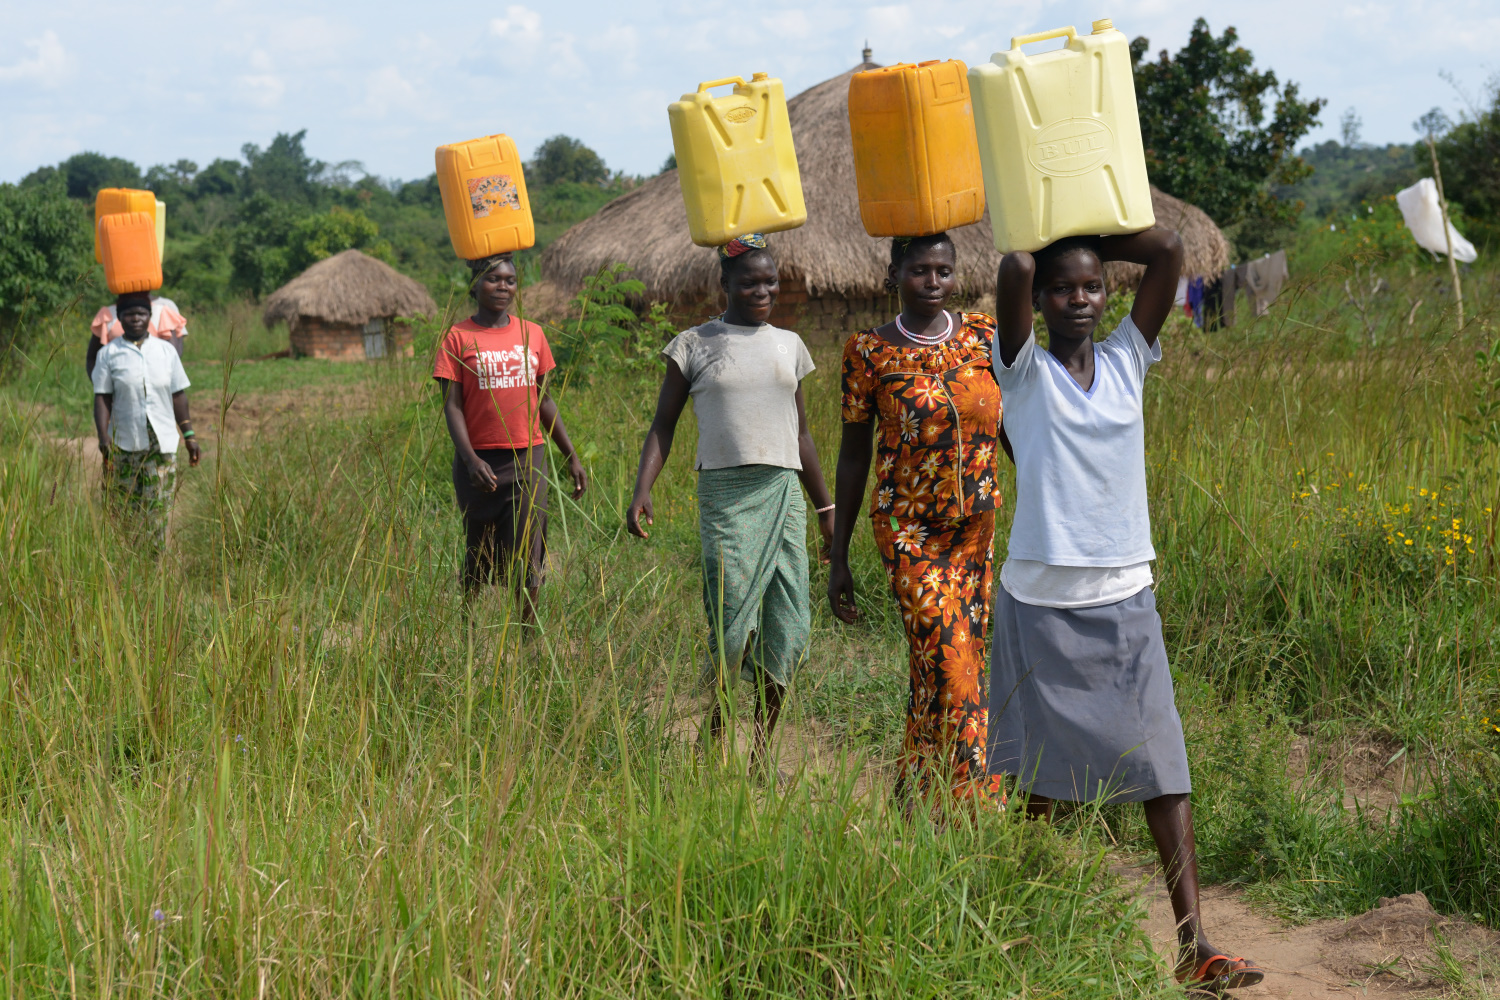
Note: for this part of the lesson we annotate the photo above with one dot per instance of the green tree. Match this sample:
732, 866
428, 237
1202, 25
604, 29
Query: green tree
563, 158
83, 174
1208, 138
1470, 156
259, 259
283, 169
225, 178
46, 249
316, 237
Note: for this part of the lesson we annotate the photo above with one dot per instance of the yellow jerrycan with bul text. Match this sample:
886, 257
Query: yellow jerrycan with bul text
916, 156
484, 197
113, 201
735, 160
1061, 140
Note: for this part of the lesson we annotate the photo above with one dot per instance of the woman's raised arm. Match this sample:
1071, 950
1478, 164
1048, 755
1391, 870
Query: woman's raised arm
1013, 306
1161, 251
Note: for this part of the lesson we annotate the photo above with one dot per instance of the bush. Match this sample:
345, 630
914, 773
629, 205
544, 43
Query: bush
45, 248
609, 337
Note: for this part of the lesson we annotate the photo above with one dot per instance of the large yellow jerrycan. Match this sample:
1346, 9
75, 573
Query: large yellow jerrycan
161, 230
916, 157
484, 197
113, 201
735, 160
1061, 140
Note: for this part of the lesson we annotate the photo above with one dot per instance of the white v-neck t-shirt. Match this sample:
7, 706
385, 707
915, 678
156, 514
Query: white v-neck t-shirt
1081, 536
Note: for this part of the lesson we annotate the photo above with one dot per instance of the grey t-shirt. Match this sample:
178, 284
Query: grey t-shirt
744, 383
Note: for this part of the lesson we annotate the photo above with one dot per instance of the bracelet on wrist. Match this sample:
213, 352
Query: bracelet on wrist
189, 433
824, 510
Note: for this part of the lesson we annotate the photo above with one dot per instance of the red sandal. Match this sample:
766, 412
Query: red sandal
1237, 974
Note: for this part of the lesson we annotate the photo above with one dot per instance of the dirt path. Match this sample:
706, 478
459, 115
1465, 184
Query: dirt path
1402, 948
1393, 950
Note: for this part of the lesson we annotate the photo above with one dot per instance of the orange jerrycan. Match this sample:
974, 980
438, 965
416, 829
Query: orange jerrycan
484, 197
735, 161
916, 157
128, 243
112, 201
1061, 140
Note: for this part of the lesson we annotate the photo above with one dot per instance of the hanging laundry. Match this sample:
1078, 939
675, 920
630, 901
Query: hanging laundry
1195, 300
1263, 280
1229, 286
1424, 217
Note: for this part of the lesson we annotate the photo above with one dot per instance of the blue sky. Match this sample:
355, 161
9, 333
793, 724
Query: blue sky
383, 83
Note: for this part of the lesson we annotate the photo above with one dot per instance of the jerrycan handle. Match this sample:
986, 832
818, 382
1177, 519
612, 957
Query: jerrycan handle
1041, 36
737, 80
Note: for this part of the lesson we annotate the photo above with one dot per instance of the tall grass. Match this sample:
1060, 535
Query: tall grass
280, 760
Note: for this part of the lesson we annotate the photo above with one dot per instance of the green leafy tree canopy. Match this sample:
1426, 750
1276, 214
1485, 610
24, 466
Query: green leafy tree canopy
283, 169
563, 158
1205, 127
45, 248
1470, 155
83, 174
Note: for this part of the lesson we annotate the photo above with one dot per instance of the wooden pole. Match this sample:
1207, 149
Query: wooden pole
1437, 175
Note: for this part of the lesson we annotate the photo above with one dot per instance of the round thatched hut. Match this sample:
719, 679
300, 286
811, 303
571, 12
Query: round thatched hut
348, 307
832, 273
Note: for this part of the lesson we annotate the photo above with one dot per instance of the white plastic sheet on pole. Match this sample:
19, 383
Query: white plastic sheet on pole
1424, 217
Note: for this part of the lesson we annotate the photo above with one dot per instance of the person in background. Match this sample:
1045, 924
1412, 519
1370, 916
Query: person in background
1081, 702
166, 323
925, 378
744, 376
141, 414
492, 368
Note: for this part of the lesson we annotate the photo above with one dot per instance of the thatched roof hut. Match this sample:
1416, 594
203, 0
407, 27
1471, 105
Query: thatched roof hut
348, 307
832, 272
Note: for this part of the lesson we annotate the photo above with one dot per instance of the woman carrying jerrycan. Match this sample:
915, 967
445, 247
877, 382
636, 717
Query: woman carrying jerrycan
744, 376
925, 377
1081, 701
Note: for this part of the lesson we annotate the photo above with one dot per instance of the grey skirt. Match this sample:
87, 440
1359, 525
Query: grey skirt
1081, 702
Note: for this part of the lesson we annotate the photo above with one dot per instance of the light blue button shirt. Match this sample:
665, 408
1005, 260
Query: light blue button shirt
142, 378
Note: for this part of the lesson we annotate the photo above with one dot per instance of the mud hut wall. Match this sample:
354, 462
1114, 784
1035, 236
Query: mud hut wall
312, 337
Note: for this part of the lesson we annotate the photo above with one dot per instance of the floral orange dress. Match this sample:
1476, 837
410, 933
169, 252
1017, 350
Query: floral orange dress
933, 511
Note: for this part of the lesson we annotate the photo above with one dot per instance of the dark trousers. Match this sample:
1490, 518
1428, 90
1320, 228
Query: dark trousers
509, 525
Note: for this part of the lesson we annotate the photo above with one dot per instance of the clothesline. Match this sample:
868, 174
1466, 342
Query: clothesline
1260, 279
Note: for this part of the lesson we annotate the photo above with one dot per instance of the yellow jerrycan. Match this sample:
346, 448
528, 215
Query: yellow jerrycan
735, 160
113, 201
161, 230
484, 197
1061, 140
916, 156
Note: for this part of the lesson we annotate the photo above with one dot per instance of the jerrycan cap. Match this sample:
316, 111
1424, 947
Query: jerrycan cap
1104, 24
756, 78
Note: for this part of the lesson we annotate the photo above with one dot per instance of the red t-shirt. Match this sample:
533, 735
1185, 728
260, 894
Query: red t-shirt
498, 369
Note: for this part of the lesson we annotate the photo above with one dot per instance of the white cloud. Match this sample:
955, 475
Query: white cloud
520, 24
618, 44
262, 88
47, 64
386, 90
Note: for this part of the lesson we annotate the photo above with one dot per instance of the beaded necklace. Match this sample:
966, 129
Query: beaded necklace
926, 339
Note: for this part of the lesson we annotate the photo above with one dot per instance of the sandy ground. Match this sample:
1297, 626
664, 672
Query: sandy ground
1393, 950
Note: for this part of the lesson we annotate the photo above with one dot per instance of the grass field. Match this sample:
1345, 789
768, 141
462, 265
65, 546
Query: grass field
280, 762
